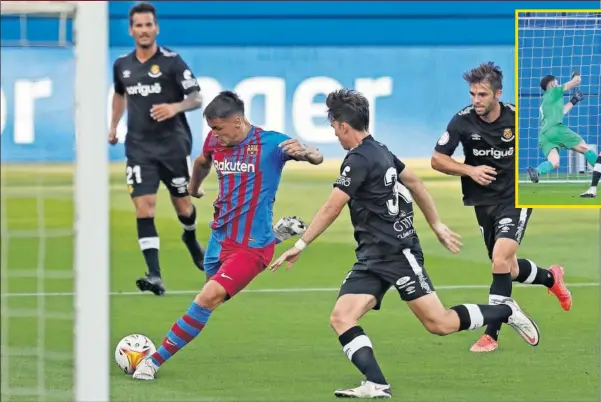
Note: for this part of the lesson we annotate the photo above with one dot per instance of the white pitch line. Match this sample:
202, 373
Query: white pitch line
282, 290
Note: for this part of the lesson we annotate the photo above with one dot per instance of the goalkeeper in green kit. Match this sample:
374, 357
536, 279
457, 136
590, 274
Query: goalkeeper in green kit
553, 134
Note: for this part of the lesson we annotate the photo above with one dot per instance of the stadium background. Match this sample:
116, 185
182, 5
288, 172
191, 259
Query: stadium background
275, 344
292, 51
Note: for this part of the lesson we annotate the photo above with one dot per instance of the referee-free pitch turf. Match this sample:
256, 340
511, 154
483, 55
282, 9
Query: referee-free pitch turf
273, 343
556, 194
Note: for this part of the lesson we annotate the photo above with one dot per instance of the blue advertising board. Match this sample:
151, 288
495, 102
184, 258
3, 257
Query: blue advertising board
407, 57
413, 93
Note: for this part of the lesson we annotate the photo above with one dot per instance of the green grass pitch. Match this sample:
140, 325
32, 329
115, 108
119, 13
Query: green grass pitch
273, 343
556, 194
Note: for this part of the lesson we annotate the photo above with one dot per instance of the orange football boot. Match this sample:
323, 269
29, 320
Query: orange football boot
485, 344
559, 288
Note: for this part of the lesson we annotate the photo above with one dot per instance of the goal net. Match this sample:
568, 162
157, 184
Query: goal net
558, 43
54, 202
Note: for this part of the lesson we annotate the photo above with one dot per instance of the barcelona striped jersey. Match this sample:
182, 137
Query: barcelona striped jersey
249, 174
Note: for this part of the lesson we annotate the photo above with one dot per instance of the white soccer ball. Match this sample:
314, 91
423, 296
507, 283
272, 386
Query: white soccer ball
131, 350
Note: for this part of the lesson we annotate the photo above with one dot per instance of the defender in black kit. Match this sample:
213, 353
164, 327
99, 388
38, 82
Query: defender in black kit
379, 191
158, 87
486, 131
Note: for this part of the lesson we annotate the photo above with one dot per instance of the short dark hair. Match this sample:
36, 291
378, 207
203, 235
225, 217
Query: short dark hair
226, 104
545, 81
485, 72
142, 8
348, 106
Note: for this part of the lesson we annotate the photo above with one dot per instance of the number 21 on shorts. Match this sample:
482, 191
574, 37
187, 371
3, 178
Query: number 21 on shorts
133, 174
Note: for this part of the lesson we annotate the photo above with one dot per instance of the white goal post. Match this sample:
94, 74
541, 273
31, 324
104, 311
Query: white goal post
91, 193
558, 43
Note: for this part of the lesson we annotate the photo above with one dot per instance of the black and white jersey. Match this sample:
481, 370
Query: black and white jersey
381, 207
491, 144
164, 78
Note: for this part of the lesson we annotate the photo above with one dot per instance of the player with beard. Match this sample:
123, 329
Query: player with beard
553, 134
158, 88
379, 191
486, 131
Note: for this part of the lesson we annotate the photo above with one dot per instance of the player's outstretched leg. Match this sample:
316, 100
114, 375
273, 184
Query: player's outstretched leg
184, 330
547, 166
288, 227
440, 321
240, 265
356, 345
552, 278
592, 191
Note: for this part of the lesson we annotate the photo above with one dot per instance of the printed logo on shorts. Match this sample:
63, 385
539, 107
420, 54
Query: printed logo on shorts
180, 183
405, 282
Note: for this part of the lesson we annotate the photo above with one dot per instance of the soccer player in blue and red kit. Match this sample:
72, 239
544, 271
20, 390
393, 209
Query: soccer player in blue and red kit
249, 163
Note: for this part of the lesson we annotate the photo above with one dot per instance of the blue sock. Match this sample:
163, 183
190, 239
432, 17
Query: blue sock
545, 167
591, 157
182, 332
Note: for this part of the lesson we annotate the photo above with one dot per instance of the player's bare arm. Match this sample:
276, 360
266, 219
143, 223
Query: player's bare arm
425, 202
323, 219
166, 111
118, 109
301, 152
200, 171
483, 175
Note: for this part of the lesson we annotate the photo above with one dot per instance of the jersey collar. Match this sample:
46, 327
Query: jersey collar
136, 60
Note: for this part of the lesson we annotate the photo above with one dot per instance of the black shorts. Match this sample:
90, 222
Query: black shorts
143, 175
502, 222
407, 274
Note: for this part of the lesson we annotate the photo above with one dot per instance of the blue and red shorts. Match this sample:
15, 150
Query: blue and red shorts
234, 265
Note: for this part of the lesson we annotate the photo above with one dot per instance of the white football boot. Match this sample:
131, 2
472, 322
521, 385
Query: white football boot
590, 193
288, 227
367, 390
146, 370
524, 325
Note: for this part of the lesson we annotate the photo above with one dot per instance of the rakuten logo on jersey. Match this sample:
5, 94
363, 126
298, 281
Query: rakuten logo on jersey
495, 153
231, 167
144, 90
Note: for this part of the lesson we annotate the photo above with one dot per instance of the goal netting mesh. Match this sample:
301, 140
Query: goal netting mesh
54, 303
558, 43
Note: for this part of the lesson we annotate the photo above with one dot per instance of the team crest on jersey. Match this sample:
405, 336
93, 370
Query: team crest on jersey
444, 138
252, 149
507, 135
155, 71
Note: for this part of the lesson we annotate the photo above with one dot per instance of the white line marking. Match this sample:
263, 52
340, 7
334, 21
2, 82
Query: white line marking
283, 290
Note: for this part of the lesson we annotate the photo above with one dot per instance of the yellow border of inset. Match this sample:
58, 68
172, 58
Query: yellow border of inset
517, 108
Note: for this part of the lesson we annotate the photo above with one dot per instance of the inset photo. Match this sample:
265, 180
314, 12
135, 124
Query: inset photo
558, 98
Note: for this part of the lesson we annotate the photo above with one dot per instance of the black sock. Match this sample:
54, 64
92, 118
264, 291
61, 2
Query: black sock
596, 172
499, 290
533, 275
148, 239
473, 316
357, 347
189, 223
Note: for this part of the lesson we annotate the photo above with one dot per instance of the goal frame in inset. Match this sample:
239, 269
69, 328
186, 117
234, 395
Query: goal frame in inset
574, 160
